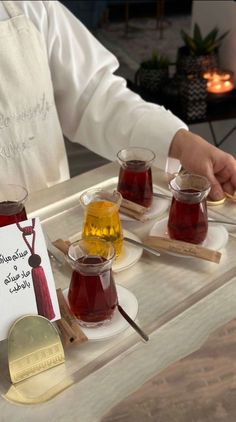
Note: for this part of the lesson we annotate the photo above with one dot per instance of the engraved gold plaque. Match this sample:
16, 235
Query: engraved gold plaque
34, 346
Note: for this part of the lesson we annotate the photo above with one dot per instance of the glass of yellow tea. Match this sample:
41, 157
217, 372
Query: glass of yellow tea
101, 217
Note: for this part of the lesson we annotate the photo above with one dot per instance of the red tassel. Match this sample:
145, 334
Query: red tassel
43, 298
41, 290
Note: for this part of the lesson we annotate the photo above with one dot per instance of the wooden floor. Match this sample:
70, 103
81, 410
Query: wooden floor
198, 388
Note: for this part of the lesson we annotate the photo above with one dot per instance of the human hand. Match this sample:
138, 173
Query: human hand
198, 156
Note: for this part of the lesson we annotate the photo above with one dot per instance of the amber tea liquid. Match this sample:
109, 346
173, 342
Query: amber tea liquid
102, 220
92, 297
135, 182
188, 221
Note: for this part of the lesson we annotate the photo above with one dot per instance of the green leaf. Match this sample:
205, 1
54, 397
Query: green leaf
190, 42
211, 36
197, 34
223, 36
198, 45
157, 61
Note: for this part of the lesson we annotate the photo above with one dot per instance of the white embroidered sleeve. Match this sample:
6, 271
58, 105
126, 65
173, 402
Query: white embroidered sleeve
94, 106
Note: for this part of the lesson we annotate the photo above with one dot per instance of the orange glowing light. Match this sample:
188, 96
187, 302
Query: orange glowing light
219, 81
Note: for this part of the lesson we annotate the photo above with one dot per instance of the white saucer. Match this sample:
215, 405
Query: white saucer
129, 256
217, 235
158, 208
117, 324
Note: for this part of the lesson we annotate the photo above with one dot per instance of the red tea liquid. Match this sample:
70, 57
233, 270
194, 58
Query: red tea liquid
188, 222
11, 212
135, 182
92, 298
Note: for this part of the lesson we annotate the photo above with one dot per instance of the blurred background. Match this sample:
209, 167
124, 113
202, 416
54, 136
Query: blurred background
135, 29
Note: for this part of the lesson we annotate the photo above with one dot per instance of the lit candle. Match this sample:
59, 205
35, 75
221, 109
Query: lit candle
219, 82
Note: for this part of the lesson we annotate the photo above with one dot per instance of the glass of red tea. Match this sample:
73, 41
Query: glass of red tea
12, 204
188, 211
92, 293
135, 175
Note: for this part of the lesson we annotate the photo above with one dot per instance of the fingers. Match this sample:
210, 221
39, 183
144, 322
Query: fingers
221, 172
216, 193
198, 156
219, 185
227, 187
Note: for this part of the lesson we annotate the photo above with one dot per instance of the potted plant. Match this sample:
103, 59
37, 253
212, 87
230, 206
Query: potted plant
199, 54
153, 72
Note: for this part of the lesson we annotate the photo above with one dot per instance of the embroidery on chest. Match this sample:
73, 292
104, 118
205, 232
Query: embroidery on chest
39, 111
14, 149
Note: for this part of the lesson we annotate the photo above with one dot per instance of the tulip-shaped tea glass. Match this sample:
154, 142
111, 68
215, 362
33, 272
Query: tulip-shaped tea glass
135, 175
92, 293
188, 211
12, 204
101, 216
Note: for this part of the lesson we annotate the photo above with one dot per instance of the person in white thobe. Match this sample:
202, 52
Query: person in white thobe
57, 80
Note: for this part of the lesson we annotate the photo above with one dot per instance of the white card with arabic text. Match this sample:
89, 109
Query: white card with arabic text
26, 280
